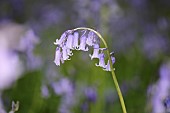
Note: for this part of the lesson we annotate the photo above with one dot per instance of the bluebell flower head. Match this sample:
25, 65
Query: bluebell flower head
83, 40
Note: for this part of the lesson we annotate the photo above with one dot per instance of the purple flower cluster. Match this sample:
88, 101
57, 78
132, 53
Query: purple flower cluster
70, 40
160, 91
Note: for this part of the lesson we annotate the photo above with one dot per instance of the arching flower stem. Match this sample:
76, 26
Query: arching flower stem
112, 69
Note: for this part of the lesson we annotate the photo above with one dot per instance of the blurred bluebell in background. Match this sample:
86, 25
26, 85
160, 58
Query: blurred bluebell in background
137, 32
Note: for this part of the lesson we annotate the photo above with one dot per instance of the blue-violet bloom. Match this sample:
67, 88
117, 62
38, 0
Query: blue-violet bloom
90, 39
95, 51
107, 67
69, 43
76, 41
65, 53
58, 57
101, 60
83, 44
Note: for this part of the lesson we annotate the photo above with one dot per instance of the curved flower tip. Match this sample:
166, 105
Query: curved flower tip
56, 42
61, 40
63, 37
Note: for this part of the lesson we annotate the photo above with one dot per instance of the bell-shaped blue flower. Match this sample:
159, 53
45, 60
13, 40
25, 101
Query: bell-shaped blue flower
58, 56
82, 45
65, 53
95, 51
101, 60
69, 43
107, 67
90, 39
76, 40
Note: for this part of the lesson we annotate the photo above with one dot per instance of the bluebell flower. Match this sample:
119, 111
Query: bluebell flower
95, 51
82, 45
58, 56
76, 41
65, 53
69, 43
107, 67
61, 40
63, 37
101, 60
90, 39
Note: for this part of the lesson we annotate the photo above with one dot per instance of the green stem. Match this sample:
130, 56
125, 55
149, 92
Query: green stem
112, 69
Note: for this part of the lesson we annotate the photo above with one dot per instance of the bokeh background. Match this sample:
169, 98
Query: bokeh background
138, 31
